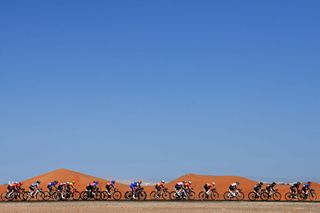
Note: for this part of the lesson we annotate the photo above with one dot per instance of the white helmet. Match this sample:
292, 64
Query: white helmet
213, 183
190, 182
162, 181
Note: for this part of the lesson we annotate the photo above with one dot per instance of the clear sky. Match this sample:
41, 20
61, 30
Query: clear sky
157, 89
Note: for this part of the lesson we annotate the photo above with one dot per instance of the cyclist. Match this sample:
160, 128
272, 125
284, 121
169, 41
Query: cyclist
187, 185
91, 187
233, 188
52, 185
18, 186
61, 188
34, 187
11, 187
209, 186
109, 186
134, 187
179, 188
306, 187
159, 186
257, 188
270, 188
294, 189
69, 186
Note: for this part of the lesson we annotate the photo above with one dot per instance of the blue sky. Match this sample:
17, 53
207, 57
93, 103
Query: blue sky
157, 89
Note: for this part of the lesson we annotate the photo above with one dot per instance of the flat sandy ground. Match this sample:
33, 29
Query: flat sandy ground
157, 207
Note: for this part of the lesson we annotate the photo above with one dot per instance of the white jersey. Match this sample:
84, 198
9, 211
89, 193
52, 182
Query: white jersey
180, 183
234, 185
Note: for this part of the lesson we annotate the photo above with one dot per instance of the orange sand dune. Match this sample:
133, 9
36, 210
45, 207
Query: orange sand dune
222, 182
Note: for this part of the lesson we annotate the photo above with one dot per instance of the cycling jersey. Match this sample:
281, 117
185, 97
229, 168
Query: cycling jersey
233, 186
134, 185
52, 184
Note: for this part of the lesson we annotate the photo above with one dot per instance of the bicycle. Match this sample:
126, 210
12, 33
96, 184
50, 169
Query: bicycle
162, 194
13, 195
311, 195
268, 195
213, 195
114, 193
89, 195
140, 194
38, 195
185, 194
238, 195
289, 196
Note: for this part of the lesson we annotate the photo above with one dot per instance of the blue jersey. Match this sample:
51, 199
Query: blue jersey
134, 185
52, 184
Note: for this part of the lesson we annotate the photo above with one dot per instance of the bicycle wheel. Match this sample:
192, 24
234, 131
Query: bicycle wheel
240, 196
227, 196
84, 195
276, 196
142, 195
312, 196
75, 195
265, 196
104, 195
116, 195
153, 196
173, 195
165, 195
203, 196
26, 196
214, 195
128, 195
47, 195
288, 196
8, 197
97, 195
40, 196
252, 196
191, 195
56, 195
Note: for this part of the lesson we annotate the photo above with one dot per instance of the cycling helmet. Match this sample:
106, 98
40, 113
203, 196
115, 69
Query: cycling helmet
309, 182
55, 181
20, 183
261, 183
139, 181
163, 181
38, 181
113, 182
189, 182
274, 183
238, 183
298, 183
96, 182
73, 182
213, 183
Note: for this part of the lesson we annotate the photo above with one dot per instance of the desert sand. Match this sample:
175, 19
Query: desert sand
155, 207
